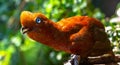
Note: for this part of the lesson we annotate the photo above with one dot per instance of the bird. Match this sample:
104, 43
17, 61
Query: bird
79, 35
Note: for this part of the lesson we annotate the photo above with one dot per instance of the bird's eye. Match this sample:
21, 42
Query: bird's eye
38, 20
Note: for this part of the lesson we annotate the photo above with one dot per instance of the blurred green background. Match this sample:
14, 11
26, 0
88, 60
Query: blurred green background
18, 49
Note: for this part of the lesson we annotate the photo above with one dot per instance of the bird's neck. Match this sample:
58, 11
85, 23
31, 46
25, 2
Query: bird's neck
50, 33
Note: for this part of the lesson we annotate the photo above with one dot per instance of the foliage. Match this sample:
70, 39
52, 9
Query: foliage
18, 49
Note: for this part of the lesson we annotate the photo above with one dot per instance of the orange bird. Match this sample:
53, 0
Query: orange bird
80, 35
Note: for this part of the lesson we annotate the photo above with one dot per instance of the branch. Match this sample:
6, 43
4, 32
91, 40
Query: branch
104, 60
75, 60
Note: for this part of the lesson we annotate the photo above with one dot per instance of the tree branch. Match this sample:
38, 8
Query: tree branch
98, 60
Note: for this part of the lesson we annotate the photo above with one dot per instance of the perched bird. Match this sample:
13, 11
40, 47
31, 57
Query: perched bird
80, 35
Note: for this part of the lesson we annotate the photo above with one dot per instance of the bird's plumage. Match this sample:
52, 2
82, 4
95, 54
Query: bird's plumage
80, 35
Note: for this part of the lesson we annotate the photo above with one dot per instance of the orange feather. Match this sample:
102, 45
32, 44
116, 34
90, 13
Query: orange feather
80, 35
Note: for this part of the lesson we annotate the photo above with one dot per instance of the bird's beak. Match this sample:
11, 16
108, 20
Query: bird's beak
24, 30
24, 18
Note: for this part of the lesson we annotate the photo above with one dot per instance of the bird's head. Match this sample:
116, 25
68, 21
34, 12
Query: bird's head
32, 22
